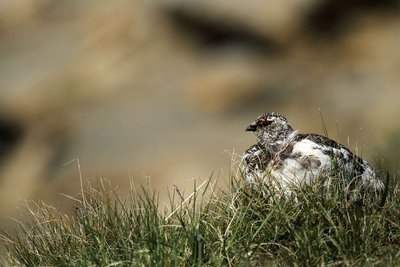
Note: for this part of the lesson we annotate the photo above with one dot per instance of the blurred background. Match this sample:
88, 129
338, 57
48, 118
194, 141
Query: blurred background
163, 90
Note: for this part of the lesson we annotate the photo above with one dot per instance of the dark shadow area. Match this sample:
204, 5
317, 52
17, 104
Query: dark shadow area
218, 32
330, 19
11, 132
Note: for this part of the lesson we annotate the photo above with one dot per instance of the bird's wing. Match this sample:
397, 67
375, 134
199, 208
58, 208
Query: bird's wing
339, 150
321, 140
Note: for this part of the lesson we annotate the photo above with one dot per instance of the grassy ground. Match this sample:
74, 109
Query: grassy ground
241, 226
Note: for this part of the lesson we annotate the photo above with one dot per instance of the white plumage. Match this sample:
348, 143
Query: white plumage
293, 159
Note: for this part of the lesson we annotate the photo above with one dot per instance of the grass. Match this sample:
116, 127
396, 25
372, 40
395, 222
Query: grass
244, 225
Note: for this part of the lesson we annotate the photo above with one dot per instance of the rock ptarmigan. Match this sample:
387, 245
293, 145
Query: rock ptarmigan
294, 159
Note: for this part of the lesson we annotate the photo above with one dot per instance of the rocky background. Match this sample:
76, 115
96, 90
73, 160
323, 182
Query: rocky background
163, 90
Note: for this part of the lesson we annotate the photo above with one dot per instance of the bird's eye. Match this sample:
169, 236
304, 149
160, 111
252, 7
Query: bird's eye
263, 122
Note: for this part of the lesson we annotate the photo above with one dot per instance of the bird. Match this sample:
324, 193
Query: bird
292, 158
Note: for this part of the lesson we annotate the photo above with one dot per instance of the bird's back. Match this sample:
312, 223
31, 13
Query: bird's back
305, 157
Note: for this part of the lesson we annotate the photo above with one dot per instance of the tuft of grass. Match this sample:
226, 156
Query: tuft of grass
245, 225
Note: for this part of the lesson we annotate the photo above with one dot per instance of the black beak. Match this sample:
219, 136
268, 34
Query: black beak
251, 128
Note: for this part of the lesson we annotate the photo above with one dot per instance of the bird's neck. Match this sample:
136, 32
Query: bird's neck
276, 139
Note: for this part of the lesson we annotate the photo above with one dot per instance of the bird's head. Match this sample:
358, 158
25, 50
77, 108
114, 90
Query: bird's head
270, 128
